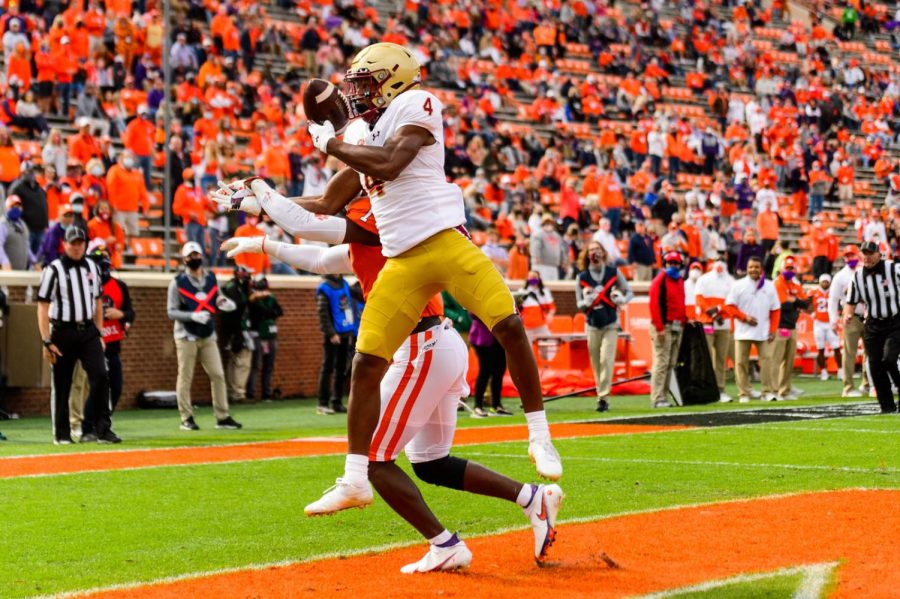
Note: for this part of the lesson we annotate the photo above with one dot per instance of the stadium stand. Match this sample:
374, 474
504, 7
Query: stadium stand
558, 104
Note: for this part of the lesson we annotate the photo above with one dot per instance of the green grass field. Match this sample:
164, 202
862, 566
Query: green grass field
79, 531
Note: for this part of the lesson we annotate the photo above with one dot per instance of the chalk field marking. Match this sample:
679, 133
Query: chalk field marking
812, 586
399, 545
697, 463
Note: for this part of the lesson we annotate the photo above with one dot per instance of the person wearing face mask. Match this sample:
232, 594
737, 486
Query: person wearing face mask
192, 305
640, 252
711, 290
104, 228
52, 245
138, 138
793, 301
15, 250
877, 285
690, 286
600, 291
76, 200
668, 316
851, 330
191, 205
128, 192
753, 302
35, 209
548, 252
536, 306
95, 178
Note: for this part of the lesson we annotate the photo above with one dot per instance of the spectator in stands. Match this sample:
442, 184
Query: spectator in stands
819, 183
88, 107
51, 246
783, 254
491, 368
548, 252
255, 263
139, 138
192, 206
820, 240
497, 253
749, 249
127, 192
234, 310
66, 67
83, 146
768, 226
641, 254
15, 250
753, 302
35, 212
518, 259
605, 237
55, 151
10, 163
668, 318
192, 296
793, 301
337, 320
599, 292
264, 313
104, 227
656, 148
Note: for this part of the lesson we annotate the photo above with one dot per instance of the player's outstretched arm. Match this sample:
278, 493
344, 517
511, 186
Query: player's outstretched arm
384, 163
311, 258
341, 189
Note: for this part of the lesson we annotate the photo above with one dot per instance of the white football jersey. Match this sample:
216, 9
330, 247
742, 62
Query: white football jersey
420, 202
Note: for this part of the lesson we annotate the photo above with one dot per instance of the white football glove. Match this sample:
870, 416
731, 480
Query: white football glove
201, 317
321, 134
225, 304
243, 245
617, 297
237, 195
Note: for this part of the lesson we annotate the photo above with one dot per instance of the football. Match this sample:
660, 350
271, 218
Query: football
323, 101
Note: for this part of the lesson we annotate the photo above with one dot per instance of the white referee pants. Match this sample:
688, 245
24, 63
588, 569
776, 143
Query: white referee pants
419, 396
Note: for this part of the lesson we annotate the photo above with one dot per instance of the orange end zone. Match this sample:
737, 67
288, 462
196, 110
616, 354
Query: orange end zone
145, 458
656, 551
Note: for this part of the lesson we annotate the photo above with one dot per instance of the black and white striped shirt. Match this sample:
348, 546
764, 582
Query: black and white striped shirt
878, 289
71, 288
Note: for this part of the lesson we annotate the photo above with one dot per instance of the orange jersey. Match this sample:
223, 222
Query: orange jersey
367, 260
820, 304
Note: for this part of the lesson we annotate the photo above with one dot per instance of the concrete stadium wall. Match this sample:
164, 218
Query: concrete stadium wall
148, 354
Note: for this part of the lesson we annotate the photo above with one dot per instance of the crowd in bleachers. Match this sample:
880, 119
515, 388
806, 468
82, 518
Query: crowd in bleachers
697, 126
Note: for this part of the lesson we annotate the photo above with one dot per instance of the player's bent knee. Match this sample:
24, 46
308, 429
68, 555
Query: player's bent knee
509, 328
447, 471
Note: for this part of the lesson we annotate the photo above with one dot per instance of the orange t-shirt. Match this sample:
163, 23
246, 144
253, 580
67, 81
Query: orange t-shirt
127, 192
256, 263
767, 223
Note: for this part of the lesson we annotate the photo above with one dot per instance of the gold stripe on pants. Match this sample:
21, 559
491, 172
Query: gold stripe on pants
207, 352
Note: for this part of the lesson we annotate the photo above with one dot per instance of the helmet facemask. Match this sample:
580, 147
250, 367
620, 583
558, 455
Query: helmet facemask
363, 91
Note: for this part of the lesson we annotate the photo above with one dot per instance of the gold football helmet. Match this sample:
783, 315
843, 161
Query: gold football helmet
377, 75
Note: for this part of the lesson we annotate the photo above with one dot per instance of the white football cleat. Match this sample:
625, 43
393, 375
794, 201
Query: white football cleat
755, 394
542, 512
342, 496
725, 398
545, 458
851, 393
743, 399
823, 376
441, 559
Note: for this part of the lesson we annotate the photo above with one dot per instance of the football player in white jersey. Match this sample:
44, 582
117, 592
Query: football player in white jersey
400, 165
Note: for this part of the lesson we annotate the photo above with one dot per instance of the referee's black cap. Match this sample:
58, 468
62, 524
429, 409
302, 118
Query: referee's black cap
75, 233
869, 247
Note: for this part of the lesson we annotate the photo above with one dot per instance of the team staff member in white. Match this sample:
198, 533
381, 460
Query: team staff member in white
877, 285
754, 305
70, 316
853, 330
711, 291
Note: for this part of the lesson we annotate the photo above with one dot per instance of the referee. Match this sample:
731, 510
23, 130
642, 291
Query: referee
877, 285
70, 315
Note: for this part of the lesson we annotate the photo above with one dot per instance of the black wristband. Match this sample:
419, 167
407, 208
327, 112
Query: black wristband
47, 342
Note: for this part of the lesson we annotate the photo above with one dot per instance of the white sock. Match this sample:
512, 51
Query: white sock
538, 430
356, 469
526, 495
296, 220
441, 538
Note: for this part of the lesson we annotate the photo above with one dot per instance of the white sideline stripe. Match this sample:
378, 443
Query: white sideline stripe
815, 578
698, 463
399, 545
814, 429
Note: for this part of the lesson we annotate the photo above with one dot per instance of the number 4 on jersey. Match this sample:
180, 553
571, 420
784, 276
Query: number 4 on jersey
427, 107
